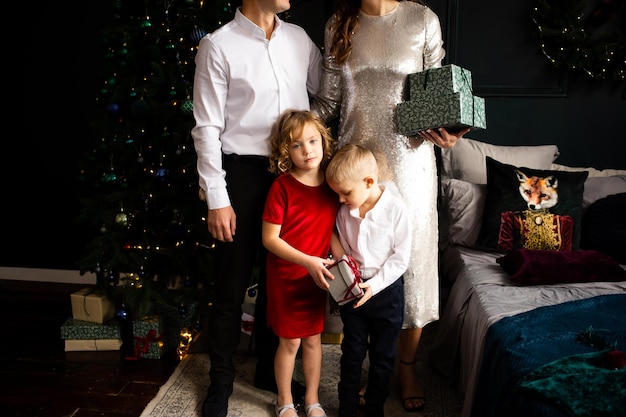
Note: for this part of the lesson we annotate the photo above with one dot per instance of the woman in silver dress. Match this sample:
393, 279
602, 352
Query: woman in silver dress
369, 48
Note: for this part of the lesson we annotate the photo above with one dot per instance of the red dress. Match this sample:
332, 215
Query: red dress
296, 306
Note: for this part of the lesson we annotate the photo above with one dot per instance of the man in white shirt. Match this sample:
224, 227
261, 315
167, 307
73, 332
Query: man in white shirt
247, 73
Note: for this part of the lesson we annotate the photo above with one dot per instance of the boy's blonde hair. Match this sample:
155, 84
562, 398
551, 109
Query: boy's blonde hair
352, 162
290, 125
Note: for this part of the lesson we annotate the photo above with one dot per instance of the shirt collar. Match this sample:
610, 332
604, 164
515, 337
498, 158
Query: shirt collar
380, 208
252, 28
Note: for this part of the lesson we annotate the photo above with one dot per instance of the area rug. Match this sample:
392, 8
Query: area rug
184, 392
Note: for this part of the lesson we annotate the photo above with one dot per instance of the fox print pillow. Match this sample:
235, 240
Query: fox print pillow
538, 193
538, 230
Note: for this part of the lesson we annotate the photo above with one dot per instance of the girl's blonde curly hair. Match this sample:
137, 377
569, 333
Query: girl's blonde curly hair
288, 126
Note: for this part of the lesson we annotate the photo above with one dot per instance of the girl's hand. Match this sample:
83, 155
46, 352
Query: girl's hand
317, 269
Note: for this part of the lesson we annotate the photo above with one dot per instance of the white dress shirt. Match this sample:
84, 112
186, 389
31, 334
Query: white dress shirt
242, 83
380, 243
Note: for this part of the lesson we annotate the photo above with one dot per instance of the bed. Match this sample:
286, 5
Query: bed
519, 325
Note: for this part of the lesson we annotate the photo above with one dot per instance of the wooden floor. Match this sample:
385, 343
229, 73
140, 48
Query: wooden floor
37, 378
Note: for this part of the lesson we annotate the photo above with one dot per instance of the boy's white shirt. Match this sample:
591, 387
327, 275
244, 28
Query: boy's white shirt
380, 243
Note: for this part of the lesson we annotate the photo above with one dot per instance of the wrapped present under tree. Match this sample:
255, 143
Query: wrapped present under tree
80, 335
87, 330
176, 318
89, 304
148, 334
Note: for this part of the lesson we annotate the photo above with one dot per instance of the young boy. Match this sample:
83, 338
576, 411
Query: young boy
373, 227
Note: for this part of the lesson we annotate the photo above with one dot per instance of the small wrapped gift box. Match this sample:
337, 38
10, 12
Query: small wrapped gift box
88, 305
148, 336
344, 288
177, 317
87, 330
452, 111
80, 345
447, 79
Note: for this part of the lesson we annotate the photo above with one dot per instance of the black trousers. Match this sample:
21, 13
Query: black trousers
248, 183
373, 327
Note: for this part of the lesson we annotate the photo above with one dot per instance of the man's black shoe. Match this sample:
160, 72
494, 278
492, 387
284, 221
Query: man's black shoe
216, 402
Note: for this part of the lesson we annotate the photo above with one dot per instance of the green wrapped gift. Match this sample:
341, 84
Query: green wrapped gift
453, 111
176, 317
148, 336
444, 80
85, 330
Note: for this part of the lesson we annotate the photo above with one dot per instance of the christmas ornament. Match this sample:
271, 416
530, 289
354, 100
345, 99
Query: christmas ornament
121, 219
113, 108
110, 176
112, 278
187, 107
160, 173
122, 314
197, 34
140, 108
252, 292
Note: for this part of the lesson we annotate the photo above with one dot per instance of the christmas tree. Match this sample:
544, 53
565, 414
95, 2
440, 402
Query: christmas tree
140, 195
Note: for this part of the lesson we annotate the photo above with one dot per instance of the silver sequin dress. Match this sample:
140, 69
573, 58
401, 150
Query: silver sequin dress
364, 92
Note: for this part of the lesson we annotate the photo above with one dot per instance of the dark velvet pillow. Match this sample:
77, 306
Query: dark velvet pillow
604, 227
511, 188
541, 267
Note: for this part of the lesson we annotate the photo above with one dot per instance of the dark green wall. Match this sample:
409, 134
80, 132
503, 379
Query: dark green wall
527, 100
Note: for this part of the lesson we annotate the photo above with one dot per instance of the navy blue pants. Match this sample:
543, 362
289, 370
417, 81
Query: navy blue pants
373, 327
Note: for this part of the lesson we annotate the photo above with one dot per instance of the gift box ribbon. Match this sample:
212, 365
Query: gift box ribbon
357, 278
143, 343
87, 293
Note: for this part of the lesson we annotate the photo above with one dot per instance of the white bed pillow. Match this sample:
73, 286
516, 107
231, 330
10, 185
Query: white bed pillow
593, 172
466, 160
600, 187
465, 203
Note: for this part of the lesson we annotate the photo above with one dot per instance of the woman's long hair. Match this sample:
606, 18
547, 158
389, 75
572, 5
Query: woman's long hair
347, 23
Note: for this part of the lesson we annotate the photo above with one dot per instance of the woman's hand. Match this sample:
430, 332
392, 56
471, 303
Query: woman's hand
441, 137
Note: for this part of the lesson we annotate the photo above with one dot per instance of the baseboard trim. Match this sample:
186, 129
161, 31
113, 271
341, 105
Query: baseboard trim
65, 276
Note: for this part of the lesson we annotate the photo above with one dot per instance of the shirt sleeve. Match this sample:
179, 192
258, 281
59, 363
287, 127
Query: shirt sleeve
209, 102
315, 69
328, 101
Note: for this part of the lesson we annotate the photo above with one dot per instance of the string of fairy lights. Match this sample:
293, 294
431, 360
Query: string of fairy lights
582, 41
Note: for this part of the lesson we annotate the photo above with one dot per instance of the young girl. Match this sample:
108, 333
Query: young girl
298, 222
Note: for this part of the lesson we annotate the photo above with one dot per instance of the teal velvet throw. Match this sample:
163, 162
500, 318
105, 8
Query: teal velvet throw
581, 385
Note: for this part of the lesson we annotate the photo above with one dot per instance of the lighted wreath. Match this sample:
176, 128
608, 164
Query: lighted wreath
593, 43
